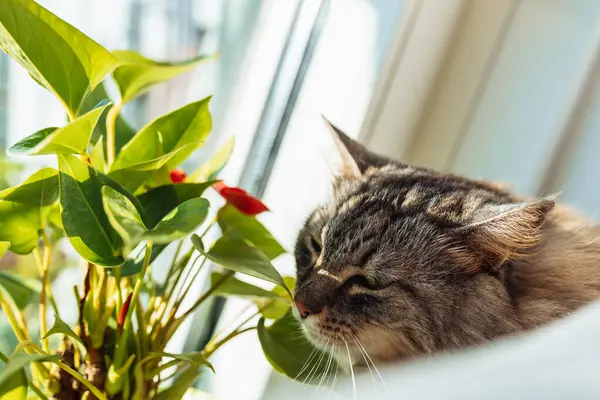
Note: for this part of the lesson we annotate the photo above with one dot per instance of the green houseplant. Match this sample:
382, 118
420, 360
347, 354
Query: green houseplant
117, 196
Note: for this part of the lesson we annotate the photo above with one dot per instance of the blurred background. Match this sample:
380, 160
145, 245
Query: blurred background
505, 90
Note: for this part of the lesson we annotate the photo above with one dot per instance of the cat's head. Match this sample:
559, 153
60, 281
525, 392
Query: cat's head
405, 261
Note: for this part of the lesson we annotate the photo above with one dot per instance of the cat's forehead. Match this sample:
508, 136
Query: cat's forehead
392, 192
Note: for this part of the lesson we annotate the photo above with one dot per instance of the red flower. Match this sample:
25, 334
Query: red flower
123, 313
240, 199
177, 176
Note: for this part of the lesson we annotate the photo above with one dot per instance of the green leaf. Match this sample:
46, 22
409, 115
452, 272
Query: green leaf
134, 265
278, 300
97, 156
123, 130
16, 387
22, 290
283, 304
181, 384
135, 73
194, 358
71, 139
55, 218
4, 246
24, 209
210, 169
188, 126
155, 163
61, 327
240, 256
287, 349
236, 224
108, 181
157, 202
238, 288
84, 219
58, 56
133, 176
180, 222
16, 364
124, 217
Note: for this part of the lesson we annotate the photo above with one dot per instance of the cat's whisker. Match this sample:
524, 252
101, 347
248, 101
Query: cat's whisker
314, 369
307, 362
324, 375
337, 368
351, 370
312, 358
362, 352
333, 346
362, 346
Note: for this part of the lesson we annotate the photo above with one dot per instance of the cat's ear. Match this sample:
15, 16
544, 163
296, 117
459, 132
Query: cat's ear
507, 231
355, 158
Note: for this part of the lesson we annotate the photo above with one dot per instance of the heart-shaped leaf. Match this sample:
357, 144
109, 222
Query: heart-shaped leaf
278, 309
210, 169
188, 126
58, 56
123, 130
194, 358
15, 388
16, 363
22, 290
238, 288
133, 176
134, 265
136, 73
181, 383
71, 139
288, 351
159, 201
124, 217
97, 156
4, 246
155, 163
61, 327
24, 209
84, 219
238, 255
274, 303
180, 222
108, 181
236, 224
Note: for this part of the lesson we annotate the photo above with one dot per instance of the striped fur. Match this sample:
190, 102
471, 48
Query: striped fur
412, 262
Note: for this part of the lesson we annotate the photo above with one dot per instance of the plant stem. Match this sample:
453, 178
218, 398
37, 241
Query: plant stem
121, 349
44, 267
211, 348
181, 296
188, 271
81, 379
111, 122
228, 274
10, 310
171, 290
37, 391
174, 261
191, 281
118, 286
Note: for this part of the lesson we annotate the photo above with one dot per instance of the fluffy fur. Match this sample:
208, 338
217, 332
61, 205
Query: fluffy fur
408, 262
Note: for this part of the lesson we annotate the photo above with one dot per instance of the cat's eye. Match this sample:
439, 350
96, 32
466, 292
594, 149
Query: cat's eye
363, 282
316, 247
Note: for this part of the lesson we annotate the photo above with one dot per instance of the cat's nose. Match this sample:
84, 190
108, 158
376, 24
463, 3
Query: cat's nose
303, 309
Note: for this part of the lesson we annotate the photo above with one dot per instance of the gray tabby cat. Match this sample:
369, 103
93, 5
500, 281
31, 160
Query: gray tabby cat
406, 262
